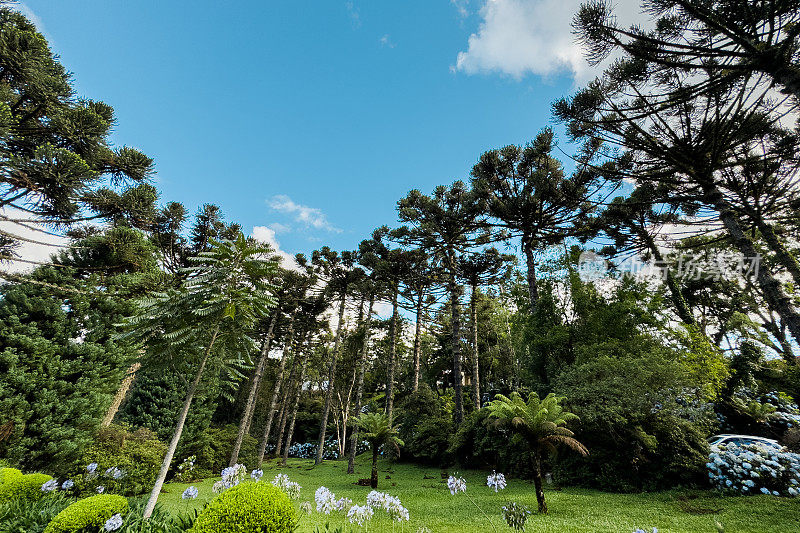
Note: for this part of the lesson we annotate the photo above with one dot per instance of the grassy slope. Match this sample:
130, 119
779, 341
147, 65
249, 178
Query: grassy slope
571, 510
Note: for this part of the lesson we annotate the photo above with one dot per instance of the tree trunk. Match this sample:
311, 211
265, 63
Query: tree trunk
296, 403
373, 478
681, 306
124, 387
530, 263
351, 458
771, 288
285, 407
417, 342
537, 483
287, 348
455, 342
476, 385
784, 256
323, 427
250, 406
176, 436
392, 357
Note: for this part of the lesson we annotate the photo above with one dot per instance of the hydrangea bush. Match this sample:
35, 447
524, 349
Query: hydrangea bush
755, 470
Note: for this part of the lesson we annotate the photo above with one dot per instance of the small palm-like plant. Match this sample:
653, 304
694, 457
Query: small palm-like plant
538, 423
377, 429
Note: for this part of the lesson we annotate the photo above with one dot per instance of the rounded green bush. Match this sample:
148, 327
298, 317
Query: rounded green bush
28, 487
248, 507
91, 512
7, 474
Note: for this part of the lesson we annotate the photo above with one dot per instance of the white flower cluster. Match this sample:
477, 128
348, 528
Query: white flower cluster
755, 469
391, 504
496, 481
233, 475
291, 488
456, 485
306, 508
190, 493
358, 514
257, 474
325, 499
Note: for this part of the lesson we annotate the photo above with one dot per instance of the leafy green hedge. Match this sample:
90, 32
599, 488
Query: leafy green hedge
87, 513
138, 454
16, 486
249, 506
6, 474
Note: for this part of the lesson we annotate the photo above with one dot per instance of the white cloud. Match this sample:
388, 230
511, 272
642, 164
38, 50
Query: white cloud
462, 6
277, 227
308, 216
353, 13
519, 37
267, 235
386, 40
39, 251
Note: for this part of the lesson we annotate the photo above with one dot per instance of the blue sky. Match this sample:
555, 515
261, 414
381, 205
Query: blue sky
312, 119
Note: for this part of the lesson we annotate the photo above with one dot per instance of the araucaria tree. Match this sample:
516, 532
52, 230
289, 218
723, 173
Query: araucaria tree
446, 224
205, 324
341, 274
540, 425
528, 195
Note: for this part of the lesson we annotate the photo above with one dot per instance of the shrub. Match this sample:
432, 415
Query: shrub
137, 454
425, 427
480, 443
217, 453
7, 474
26, 487
91, 512
31, 516
248, 507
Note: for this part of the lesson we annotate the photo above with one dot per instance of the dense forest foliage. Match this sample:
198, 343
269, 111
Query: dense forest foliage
174, 328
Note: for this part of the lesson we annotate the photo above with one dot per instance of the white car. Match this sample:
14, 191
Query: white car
742, 440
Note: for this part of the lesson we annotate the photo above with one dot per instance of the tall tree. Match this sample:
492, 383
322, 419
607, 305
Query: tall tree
684, 148
57, 164
633, 224
419, 284
295, 285
447, 224
370, 288
730, 38
479, 269
341, 273
206, 321
530, 197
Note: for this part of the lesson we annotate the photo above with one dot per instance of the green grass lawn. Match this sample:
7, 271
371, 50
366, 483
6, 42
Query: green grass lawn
430, 504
